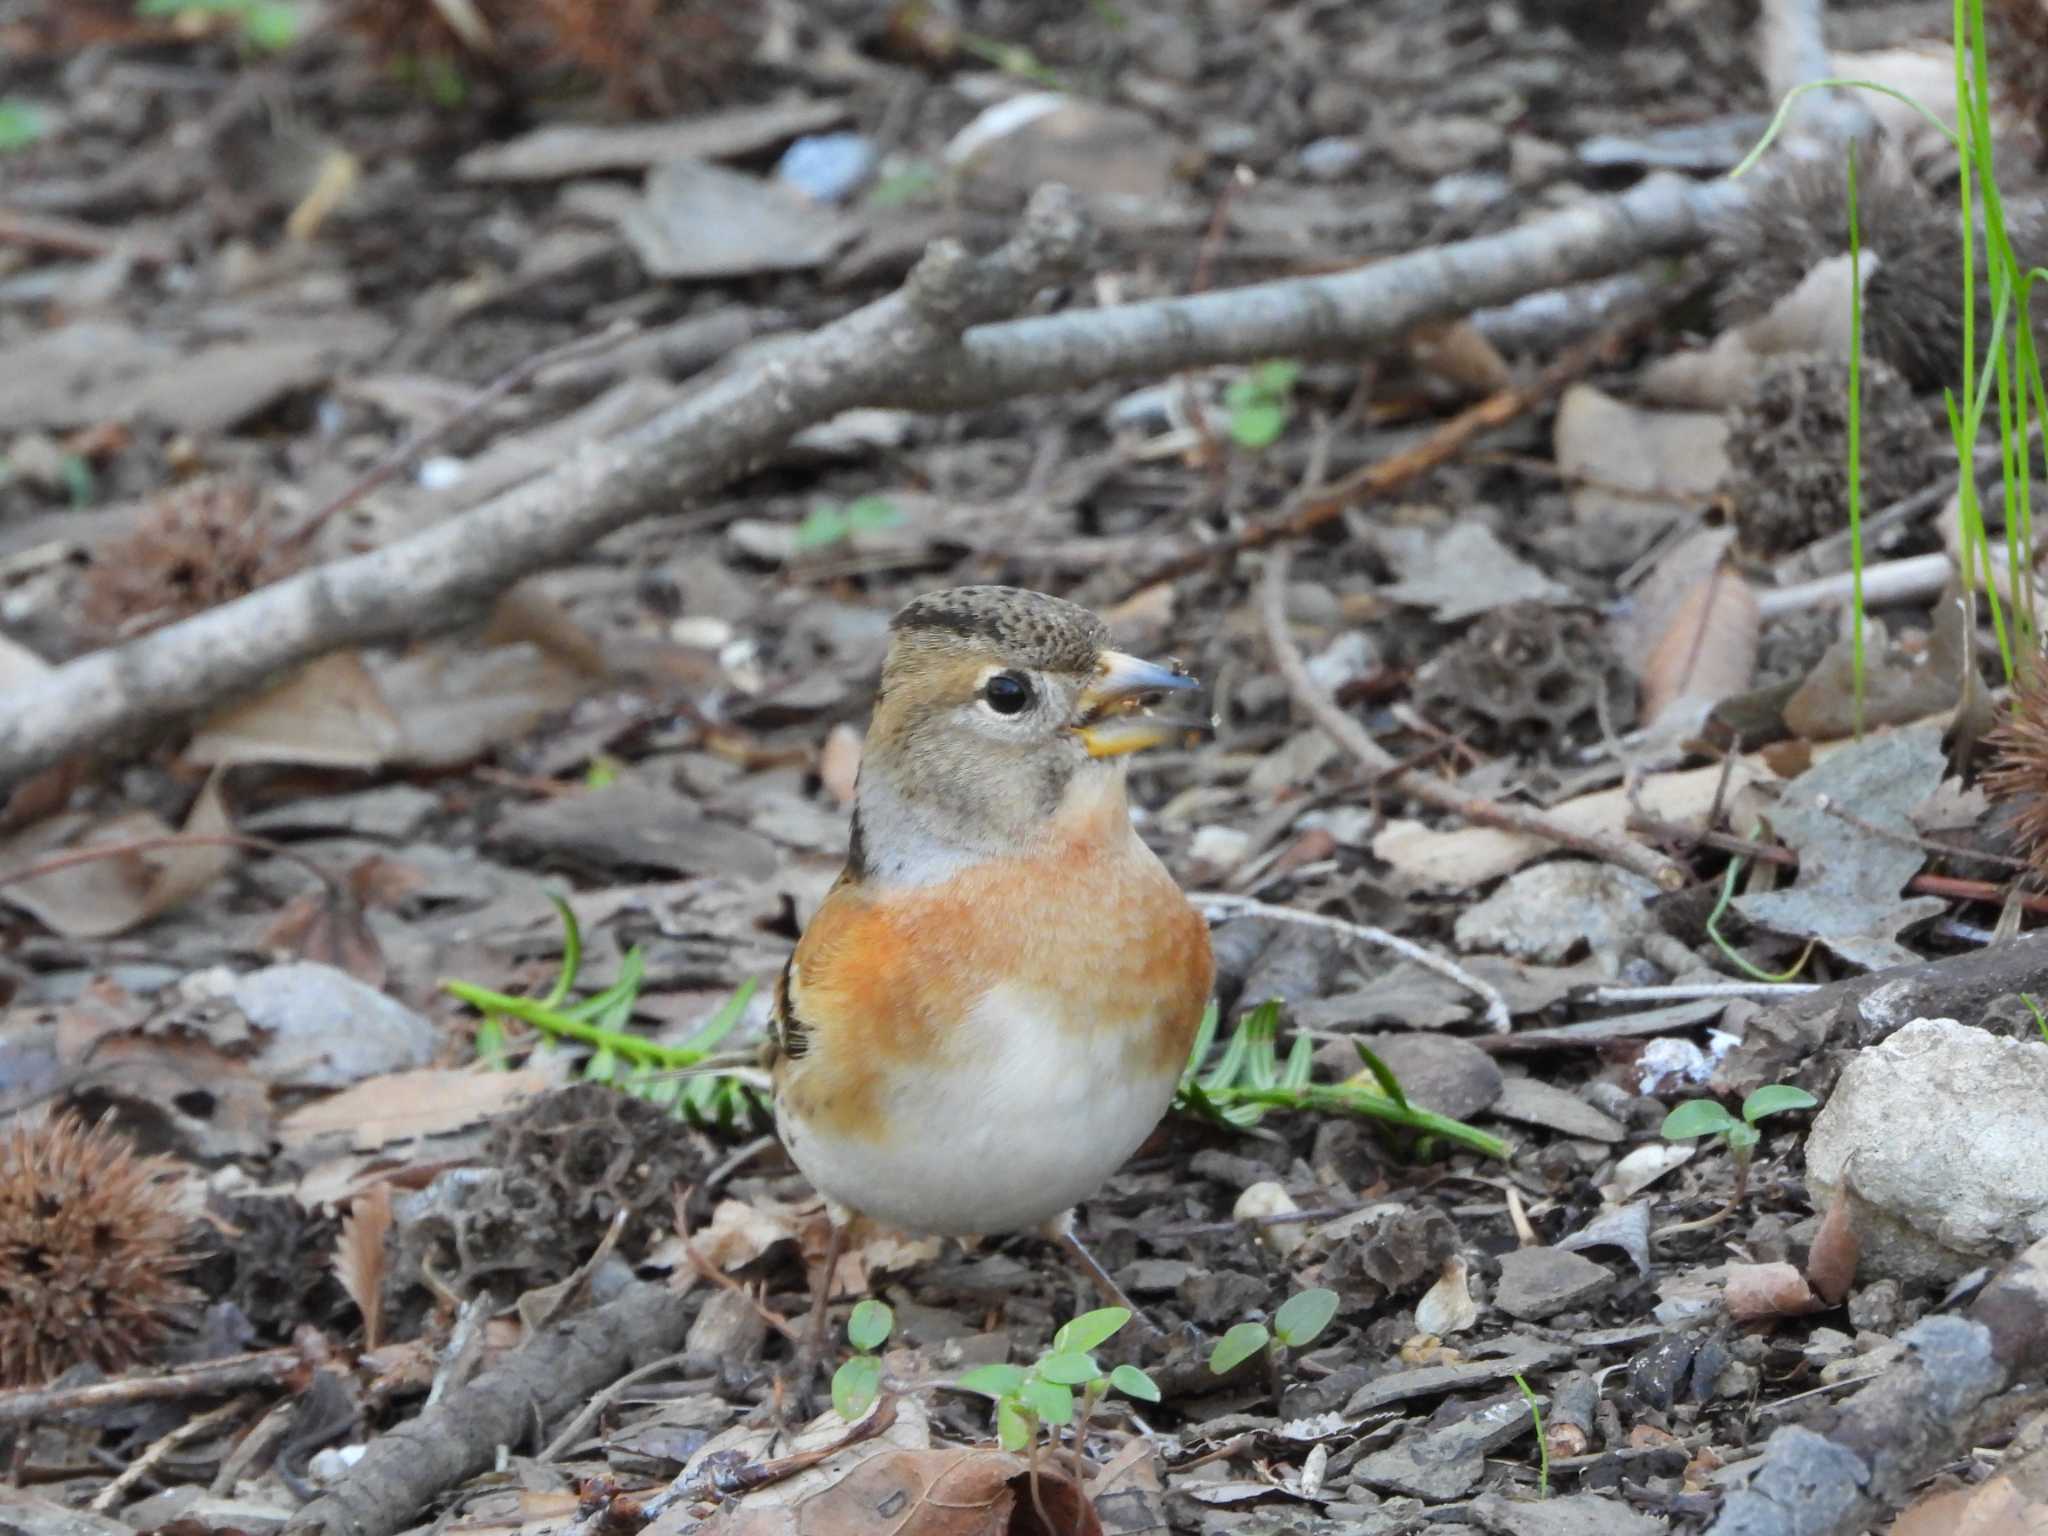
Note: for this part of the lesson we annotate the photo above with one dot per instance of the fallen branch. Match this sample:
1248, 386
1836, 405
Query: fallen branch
914, 349
1352, 737
407, 1468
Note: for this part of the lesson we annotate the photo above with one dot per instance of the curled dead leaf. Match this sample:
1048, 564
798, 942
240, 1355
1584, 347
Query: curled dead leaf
359, 1257
1758, 1291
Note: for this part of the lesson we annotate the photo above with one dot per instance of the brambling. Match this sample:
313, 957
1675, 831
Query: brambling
993, 1005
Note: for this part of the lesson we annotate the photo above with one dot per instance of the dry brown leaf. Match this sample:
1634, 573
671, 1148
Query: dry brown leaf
1831, 1261
1447, 1306
1458, 353
1706, 652
359, 1257
1463, 857
101, 897
401, 1106
740, 1233
330, 713
1768, 1290
455, 702
958, 1491
526, 612
1628, 465
1901, 683
327, 925
1994, 1508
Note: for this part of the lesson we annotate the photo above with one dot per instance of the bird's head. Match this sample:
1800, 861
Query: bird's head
998, 709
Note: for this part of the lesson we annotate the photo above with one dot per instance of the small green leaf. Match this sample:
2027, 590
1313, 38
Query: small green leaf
1091, 1330
1048, 1401
1276, 379
823, 526
1302, 1317
872, 514
1698, 1117
1132, 1382
490, 1042
1382, 1074
572, 951
1014, 1425
1238, 1346
602, 1067
1069, 1370
871, 1324
20, 124
1775, 1098
1742, 1139
1258, 425
996, 1380
855, 1385
272, 28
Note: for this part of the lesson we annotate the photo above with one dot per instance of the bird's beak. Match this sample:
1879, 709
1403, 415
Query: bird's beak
1112, 717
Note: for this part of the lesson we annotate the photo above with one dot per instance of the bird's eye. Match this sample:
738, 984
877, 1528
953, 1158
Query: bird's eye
1007, 693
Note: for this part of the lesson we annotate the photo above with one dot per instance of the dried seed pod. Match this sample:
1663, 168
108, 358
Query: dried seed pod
1913, 295
92, 1251
196, 546
2016, 51
1788, 450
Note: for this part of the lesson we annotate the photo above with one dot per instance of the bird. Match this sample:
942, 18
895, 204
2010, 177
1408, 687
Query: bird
993, 1004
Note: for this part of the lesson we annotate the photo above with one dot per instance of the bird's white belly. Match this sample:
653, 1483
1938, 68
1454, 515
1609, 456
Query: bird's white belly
1024, 1123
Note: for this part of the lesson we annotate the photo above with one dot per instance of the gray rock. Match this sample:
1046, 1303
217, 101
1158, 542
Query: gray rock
1441, 1072
325, 1029
1541, 1282
1944, 1124
1535, 1102
1549, 910
1441, 1464
1574, 1514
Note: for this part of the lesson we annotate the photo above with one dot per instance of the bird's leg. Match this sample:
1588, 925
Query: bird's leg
1060, 1230
809, 1356
810, 1352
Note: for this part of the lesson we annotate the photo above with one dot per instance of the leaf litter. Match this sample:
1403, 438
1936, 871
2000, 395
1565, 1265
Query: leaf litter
667, 731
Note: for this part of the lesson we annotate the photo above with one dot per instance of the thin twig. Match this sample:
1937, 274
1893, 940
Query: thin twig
396, 460
597, 1405
270, 1368
1385, 477
1351, 736
1686, 992
1498, 1018
136, 1470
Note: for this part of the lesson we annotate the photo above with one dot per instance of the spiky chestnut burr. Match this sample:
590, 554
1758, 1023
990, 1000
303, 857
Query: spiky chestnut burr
2017, 780
1913, 296
92, 1251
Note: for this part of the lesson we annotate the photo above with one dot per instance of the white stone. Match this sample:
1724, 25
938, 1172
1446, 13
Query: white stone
1946, 1127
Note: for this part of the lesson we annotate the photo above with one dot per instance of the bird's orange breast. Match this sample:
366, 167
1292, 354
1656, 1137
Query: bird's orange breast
1093, 929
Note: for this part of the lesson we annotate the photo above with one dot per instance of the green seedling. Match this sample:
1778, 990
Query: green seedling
1542, 1440
20, 124
670, 1076
1248, 1079
268, 26
1704, 1117
1261, 402
1300, 1320
2040, 1018
1065, 1378
858, 1382
829, 523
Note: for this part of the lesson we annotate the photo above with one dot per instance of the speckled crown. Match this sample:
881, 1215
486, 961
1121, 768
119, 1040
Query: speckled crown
1026, 627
